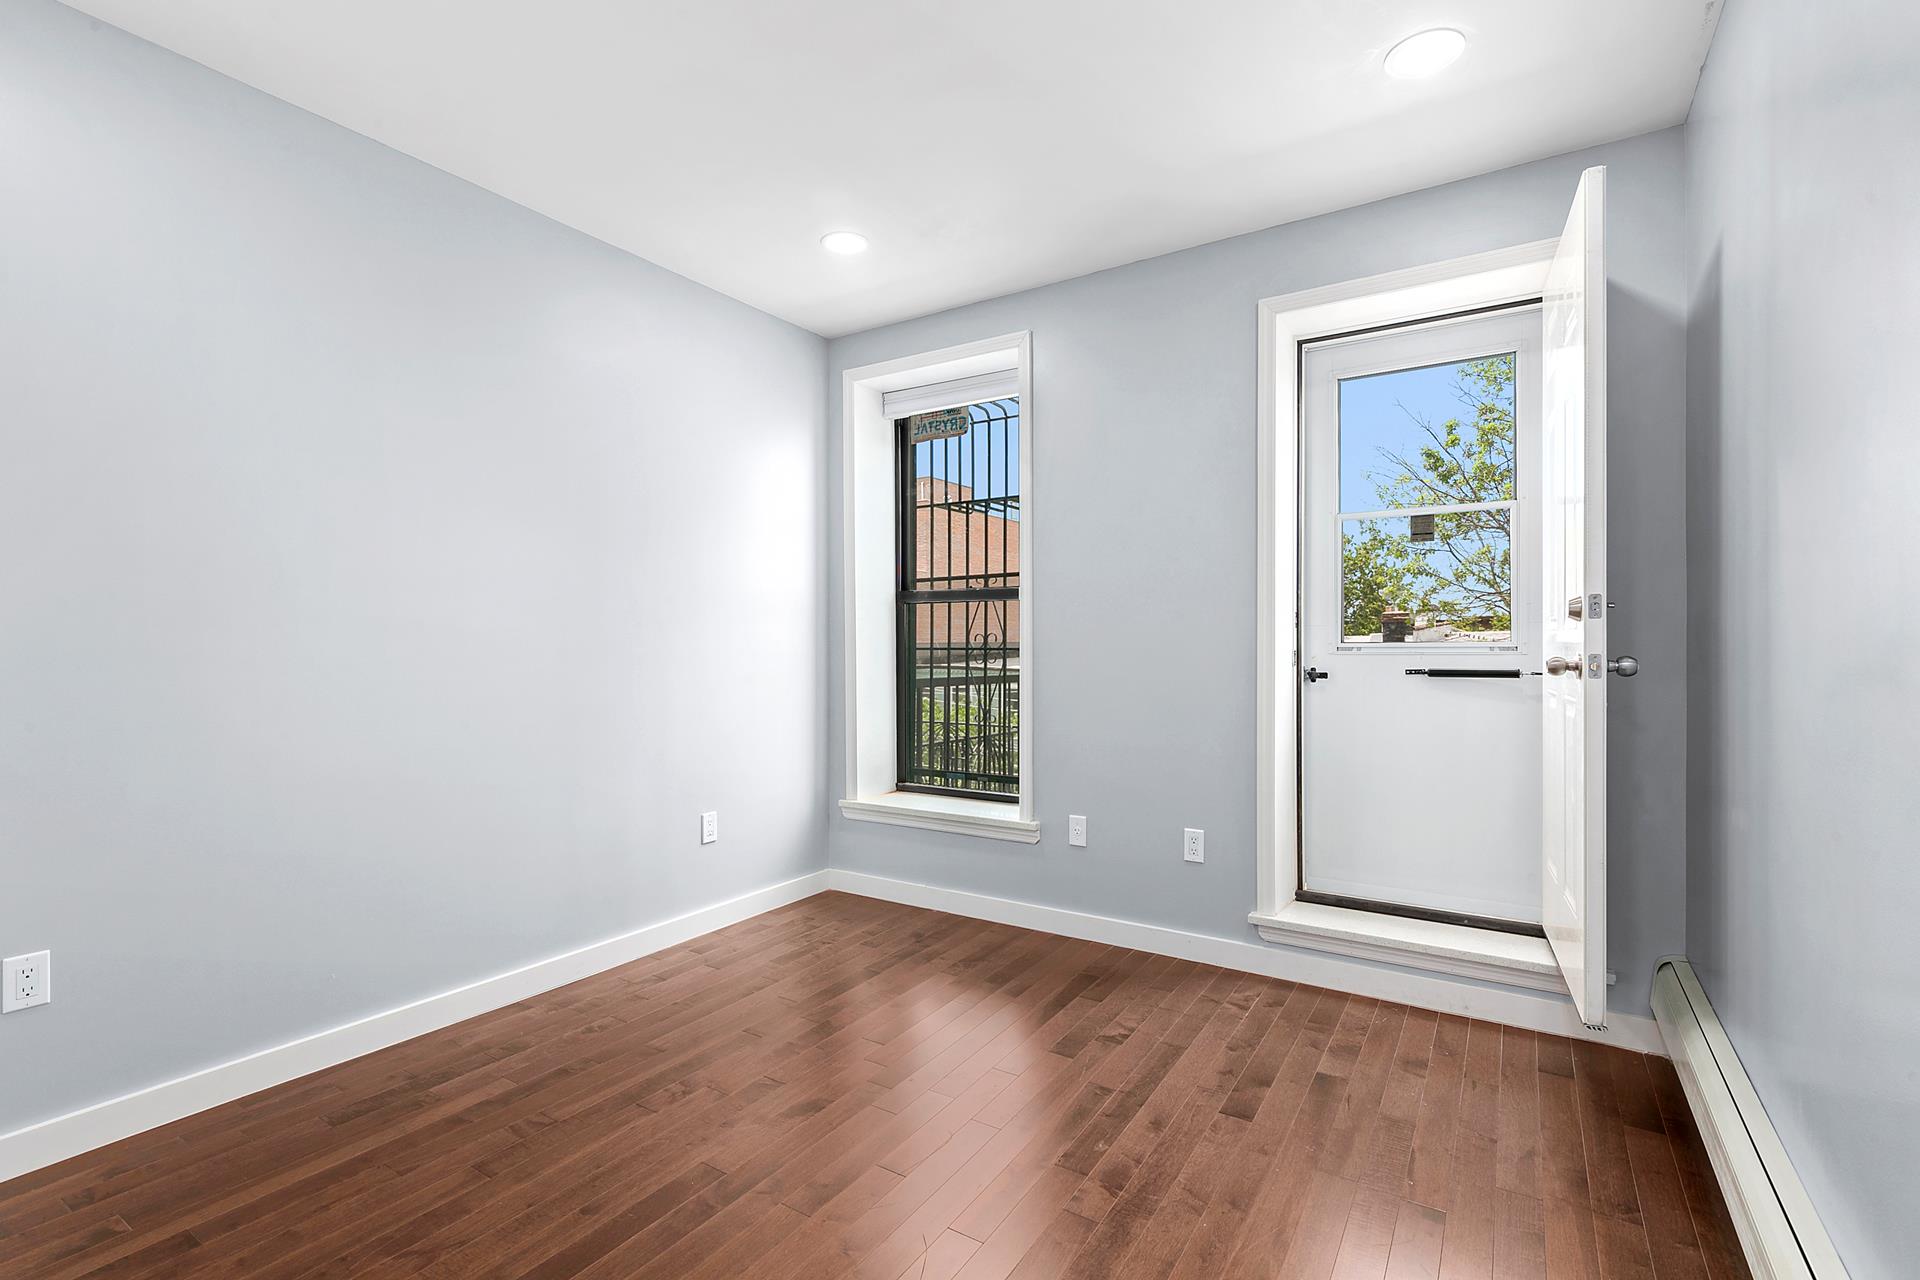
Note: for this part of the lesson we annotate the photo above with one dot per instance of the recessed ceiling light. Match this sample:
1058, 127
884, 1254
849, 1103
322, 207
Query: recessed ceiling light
1425, 53
843, 242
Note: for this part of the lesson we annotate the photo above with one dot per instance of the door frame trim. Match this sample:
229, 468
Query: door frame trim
1502, 277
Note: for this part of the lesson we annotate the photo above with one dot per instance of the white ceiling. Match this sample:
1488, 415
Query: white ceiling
984, 145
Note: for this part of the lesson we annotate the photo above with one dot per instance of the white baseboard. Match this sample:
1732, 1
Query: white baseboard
1779, 1229
53, 1140
1531, 1010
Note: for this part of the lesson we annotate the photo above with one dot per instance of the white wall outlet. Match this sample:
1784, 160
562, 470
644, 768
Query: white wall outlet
1077, 830
25, 981
709, 826
1196, 845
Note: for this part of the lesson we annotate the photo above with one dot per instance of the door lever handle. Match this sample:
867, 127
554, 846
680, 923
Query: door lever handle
1314, 673
1624, 666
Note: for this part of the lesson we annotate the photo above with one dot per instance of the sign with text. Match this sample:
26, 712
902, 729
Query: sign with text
941, 425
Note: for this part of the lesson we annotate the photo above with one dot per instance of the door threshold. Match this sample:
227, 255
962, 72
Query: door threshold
1464, 919
1511, 959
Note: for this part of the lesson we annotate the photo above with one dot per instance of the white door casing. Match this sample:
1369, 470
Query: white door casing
1573, 486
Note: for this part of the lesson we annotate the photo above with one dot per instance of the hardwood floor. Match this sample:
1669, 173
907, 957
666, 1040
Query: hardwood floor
847, 1087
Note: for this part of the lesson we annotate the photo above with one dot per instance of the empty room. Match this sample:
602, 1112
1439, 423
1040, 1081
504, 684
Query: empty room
981, 641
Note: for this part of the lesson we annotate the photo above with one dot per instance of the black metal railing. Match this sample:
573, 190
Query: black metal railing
959, 613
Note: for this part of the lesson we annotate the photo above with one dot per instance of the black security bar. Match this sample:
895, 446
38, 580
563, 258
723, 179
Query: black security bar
958, 620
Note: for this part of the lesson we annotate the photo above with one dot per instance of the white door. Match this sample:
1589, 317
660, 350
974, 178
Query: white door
1419, 718
1574, 621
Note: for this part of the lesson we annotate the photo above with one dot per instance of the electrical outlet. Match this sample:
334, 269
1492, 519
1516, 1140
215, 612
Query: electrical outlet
1196, 845
25, 981
1077, 830
709, 827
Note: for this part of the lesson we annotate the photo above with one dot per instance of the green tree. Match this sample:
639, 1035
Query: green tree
1462, 571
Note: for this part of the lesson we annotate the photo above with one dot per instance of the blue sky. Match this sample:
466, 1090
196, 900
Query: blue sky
1373, 415
966, 457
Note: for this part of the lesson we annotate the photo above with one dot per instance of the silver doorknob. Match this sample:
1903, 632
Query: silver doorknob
1625, 665
1561, 667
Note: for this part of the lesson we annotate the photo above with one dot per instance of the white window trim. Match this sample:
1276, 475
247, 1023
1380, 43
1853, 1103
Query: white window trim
945, 395
1440, 289
869, 518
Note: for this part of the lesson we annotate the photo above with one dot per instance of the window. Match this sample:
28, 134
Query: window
937, 537
1427, 495
959, 600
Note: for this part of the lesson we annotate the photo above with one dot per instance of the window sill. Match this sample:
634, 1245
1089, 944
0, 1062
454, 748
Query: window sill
953, 814
1507, 958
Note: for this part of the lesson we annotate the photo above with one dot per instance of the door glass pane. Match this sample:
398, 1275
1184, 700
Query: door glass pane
1441, 435
1445, 578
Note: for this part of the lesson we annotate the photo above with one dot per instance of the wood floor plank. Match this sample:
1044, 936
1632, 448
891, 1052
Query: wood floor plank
1306, 1027
1573, 1251
1609, 1176
1064, 1104
1314, 1249
58, 1246
1671, 1241
1359, 1114
1282, 1210
1432, 1156
1517, 1163
1023, 1225
1250, 1091
1043, 1120
1051, 1252
859, 1240
867, 1142
1467, 1250
1563, 1160
1417, 1238
851, 1088
1154, 1125
1166, 1233
1633, 1090
1367, 1240
943, 1259
1519, 1237
1623, 1249
1100, 1137
1719, 1244
1134, 1202
1385, 1159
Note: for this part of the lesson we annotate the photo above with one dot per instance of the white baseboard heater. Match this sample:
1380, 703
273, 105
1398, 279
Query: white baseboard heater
1778, 1227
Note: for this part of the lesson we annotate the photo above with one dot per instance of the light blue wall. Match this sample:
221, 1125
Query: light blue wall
1143, 435
1804, 874
390, 576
